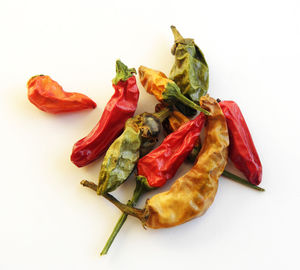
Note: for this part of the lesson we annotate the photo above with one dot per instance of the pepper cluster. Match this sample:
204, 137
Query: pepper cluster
128, 140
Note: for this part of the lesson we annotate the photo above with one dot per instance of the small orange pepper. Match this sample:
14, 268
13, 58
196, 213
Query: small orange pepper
47, 95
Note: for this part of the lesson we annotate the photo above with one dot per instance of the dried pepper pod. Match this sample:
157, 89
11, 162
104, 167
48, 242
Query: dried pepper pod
242, 150
138, 138
47, 95
190, 70
164, 89
176, 119
173, 123
192, 194
118, 110
160, 165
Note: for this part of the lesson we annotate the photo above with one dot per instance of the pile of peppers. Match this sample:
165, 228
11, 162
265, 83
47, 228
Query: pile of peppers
129, 141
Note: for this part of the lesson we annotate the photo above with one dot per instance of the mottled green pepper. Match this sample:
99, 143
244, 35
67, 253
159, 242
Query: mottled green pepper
190, 70
138, 138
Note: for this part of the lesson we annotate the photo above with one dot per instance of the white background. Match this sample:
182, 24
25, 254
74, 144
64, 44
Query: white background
48, 221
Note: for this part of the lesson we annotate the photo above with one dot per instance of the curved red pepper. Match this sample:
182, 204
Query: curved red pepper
118, 110
242, 151
162, 163
47, 95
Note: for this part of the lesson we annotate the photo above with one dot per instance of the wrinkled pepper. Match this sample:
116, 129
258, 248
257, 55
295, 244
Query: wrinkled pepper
164, 89
138, 138
118, 110
160, 165
176, 119
174, 122
242, 151
190, 70
192, 194
47, 95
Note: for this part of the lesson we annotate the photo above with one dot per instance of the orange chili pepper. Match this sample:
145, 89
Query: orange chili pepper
47, 95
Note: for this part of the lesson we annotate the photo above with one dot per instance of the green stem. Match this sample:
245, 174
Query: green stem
240, 180
139, 190
163, 114
122, 72
130, 210
173, 92
191, 104
141, 187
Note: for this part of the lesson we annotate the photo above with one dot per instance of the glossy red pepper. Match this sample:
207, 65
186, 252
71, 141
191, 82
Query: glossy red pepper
162, 163
118, 110
242, 151
47, 95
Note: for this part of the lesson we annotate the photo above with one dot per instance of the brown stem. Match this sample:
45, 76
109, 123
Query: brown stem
129, 210
89, 184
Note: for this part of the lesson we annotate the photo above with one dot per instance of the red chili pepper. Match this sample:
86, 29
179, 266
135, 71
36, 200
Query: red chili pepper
242, 151
49, 96
118, 110
162, 163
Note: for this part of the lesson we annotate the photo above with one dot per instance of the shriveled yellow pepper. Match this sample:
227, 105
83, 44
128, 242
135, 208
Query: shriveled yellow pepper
157, 83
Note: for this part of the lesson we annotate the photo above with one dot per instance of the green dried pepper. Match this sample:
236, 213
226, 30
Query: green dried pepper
138, 138
190, 70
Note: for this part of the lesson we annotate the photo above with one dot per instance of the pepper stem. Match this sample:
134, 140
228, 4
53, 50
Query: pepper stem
130, 210
122, 72
139, 190
176, 34
173, 92
89, 184
240, 180
163, 114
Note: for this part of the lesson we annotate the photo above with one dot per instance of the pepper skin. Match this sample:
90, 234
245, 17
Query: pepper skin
190, 70
173, 123
118, 110
162, 163
242, 151
47, 95
165, 90
138, 138
192, 194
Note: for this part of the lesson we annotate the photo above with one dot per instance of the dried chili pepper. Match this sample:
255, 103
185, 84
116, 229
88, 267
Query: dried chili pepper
118, 110
47, 95
190, 70
173, 123
242, 151
176, 119
137, 139
192, 194
161, 164
164, 89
